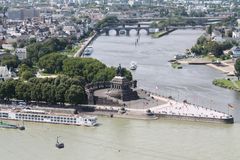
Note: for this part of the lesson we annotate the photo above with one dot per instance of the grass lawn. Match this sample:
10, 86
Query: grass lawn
158, 34
224, 83
71, 52
176, 65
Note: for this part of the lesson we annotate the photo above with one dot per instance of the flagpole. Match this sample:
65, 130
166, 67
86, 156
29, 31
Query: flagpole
228, 109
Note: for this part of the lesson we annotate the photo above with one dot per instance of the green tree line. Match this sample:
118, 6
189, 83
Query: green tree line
51, 90
205, 46
90, 69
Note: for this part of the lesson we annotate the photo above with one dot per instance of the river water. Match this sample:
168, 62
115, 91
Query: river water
123, 139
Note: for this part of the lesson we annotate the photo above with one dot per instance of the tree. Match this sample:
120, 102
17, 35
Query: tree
201, 40
229, 33
237, 68
26, 75
199, 50
39, 49
209, 29
75, 95
60, 93
214, 48
48, 93
105, 75
10, 61
85, 67
25, 72
36, 92
14, 45
109, 21
7, 89
52, 63
23, 91
227, 45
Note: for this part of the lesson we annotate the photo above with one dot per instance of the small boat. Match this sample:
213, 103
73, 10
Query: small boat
122, 110
172, 60
88, 51
179, 56
149, 113
217, 62
59, 145
133, 65
22, 127
7, 125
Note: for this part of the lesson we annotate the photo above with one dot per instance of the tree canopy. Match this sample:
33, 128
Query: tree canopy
39, 49
107, 22
237, 68
10, 61
52, 63
51, 90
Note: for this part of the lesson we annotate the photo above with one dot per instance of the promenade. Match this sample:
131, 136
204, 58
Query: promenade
84, 45
163, 107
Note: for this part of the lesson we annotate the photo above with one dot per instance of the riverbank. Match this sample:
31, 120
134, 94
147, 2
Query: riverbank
227, 83
163, 33
169, 109
84, 45
227, 66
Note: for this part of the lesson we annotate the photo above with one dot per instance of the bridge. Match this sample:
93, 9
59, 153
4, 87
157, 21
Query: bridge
147, 28
147, 19
127, 29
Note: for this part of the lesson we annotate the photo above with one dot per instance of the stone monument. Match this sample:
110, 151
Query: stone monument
120, 87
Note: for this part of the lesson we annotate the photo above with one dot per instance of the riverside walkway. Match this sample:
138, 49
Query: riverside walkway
84, 45
171, 109
185, 109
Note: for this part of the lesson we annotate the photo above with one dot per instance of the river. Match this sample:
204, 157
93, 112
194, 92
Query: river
123, 139
193, 83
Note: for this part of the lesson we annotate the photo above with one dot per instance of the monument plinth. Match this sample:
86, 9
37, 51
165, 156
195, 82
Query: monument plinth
120, 87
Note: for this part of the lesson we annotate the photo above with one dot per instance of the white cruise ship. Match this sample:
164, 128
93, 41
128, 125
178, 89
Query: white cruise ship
47, 117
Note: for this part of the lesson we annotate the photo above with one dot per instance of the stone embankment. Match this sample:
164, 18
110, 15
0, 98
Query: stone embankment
171, 109
84, 45
160, 34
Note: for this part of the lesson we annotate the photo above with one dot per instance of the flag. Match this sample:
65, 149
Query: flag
231, 106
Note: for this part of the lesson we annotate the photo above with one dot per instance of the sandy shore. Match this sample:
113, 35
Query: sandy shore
226, 66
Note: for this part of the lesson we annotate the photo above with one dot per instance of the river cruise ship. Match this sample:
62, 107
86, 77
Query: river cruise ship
47, 117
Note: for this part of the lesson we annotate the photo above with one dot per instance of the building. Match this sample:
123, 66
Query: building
5, 73
217, 36
7, 47
22, 14
236, 52
21, 53
236, 34
70, 30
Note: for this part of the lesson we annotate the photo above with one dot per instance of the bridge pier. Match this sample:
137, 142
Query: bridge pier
148, 32
127, 32
117, 32
107, 32
138, 31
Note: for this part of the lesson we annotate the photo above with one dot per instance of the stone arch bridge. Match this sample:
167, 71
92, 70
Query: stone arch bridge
127, 29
